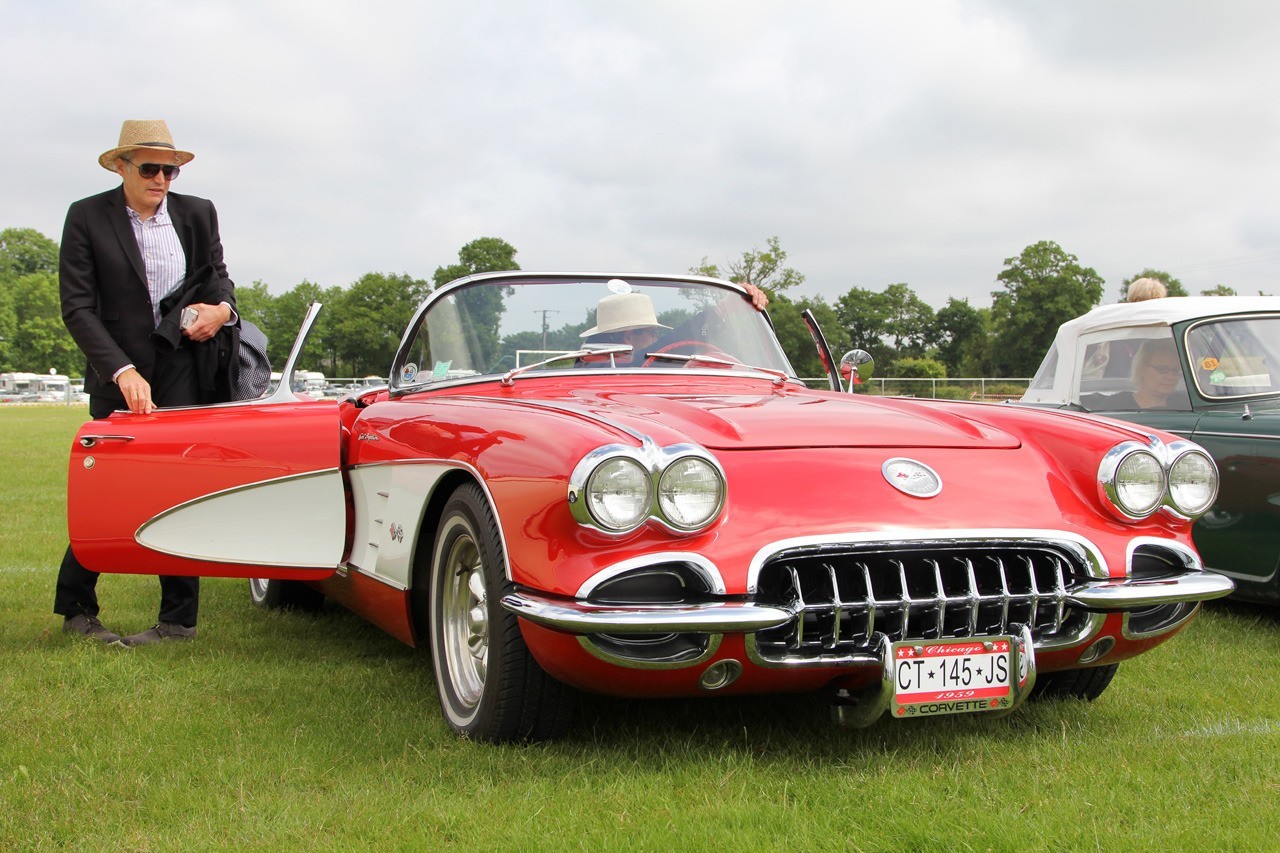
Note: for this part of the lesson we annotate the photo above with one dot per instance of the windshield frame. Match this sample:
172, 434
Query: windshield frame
402, 383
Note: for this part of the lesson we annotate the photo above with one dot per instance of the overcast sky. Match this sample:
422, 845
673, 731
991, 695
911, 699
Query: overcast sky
920, 142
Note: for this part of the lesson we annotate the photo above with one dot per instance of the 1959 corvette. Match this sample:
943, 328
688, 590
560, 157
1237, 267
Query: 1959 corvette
647, 502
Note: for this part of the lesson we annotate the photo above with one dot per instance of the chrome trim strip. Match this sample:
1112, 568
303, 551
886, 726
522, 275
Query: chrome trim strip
1244, 435
706, 568
347, 568
580, 617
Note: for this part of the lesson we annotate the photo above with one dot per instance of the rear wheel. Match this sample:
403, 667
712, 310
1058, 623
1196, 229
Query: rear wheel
285, 595
490, 687
1086, 684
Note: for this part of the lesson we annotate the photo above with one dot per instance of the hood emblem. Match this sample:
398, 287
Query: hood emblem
911, 477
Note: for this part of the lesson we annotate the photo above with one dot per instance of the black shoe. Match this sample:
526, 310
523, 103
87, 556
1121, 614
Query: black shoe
88, 626
160, 631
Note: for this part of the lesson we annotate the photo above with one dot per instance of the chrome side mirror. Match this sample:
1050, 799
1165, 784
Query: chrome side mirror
856, 367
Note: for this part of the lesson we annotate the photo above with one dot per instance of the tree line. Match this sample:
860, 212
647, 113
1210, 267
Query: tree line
360, 328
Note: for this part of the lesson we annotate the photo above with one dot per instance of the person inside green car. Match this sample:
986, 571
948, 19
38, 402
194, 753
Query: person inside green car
1157, 381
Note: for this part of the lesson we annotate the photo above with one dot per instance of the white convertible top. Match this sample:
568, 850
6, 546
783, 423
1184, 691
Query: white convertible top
1053, 379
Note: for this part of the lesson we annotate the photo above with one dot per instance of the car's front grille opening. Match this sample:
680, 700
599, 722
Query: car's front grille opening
844, 597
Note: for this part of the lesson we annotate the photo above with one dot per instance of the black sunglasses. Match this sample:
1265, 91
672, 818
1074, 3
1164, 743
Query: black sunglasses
150, 170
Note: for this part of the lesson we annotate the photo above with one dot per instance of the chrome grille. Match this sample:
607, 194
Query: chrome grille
844, 596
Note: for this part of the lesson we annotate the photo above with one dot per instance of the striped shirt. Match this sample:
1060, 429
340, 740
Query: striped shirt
162, 254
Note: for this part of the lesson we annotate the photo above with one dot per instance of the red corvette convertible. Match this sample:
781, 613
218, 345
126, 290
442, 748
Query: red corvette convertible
645, 501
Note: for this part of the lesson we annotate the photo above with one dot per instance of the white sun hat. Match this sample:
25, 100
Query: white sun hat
622, 312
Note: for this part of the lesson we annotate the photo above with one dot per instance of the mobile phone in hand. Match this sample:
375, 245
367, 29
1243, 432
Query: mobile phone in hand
189, 316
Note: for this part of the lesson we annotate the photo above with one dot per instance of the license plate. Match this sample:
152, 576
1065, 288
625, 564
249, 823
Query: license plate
952, 676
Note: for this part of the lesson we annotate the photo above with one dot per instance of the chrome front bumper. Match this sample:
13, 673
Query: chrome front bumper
576, 616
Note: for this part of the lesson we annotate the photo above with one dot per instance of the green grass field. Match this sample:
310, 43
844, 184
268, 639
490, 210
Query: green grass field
288, 731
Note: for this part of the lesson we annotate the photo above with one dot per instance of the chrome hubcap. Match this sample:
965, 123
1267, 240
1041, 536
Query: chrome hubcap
464, 616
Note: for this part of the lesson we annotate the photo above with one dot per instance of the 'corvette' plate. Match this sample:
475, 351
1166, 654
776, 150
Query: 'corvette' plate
952, 676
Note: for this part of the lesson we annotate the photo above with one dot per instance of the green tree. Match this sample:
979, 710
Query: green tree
40, 341
1173, 285
484, 254
1043, 288
24, 251
958, 324
374, 313
763, 268
793, 334
483, 306
253, 303
1220, 290
283, 318
892, 324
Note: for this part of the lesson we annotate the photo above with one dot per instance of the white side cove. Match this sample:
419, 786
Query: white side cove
294, 521
388, 499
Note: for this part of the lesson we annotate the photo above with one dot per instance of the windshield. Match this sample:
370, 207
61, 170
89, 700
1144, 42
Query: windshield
1236, 356
489, 327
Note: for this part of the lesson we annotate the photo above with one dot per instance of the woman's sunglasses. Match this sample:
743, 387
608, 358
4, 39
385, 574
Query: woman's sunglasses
150, 170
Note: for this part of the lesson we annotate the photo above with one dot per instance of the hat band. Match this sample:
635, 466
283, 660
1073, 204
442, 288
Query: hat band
152, 145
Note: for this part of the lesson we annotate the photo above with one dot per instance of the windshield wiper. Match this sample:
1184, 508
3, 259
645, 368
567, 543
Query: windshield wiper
509, 377
779, 377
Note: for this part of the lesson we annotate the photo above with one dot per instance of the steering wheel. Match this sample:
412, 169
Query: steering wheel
700, 347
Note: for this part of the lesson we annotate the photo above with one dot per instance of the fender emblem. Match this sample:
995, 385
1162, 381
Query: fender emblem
397, 532
367, 436
911, 477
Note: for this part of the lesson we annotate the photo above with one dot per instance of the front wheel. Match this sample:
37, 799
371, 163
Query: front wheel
490, 687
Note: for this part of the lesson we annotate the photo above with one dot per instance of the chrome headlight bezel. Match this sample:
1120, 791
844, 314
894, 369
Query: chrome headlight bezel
657, 463
1184, 454
1126, 465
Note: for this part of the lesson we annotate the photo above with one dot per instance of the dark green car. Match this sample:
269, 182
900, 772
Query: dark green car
1208, 369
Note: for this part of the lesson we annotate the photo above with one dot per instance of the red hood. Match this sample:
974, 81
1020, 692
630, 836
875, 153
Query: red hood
746, 421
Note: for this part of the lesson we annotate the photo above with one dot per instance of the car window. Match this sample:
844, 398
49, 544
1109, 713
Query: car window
1129, 369
1235, 356
486, 328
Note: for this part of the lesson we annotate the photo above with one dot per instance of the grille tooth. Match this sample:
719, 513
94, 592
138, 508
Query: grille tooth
843, 598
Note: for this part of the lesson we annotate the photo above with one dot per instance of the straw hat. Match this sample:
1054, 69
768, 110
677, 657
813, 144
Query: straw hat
623, 312
151, 134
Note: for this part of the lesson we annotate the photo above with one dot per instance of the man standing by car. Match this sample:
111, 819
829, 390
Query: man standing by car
122, 253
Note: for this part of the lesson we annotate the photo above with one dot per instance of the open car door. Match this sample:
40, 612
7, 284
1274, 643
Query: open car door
250, 489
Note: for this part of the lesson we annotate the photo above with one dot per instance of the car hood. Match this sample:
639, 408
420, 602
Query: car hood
781, 420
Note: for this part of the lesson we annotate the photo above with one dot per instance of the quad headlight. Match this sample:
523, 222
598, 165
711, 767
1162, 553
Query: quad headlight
1193, 483
690, 493
618, 493
1135, 480
619, 487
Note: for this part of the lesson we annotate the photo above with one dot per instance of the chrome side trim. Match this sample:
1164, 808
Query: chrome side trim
580, 617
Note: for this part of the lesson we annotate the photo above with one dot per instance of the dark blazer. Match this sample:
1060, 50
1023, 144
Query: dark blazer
103, 282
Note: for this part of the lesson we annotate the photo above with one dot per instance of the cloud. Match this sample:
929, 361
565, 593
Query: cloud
882, 142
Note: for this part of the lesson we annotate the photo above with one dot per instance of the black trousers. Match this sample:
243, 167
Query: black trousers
76, 592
